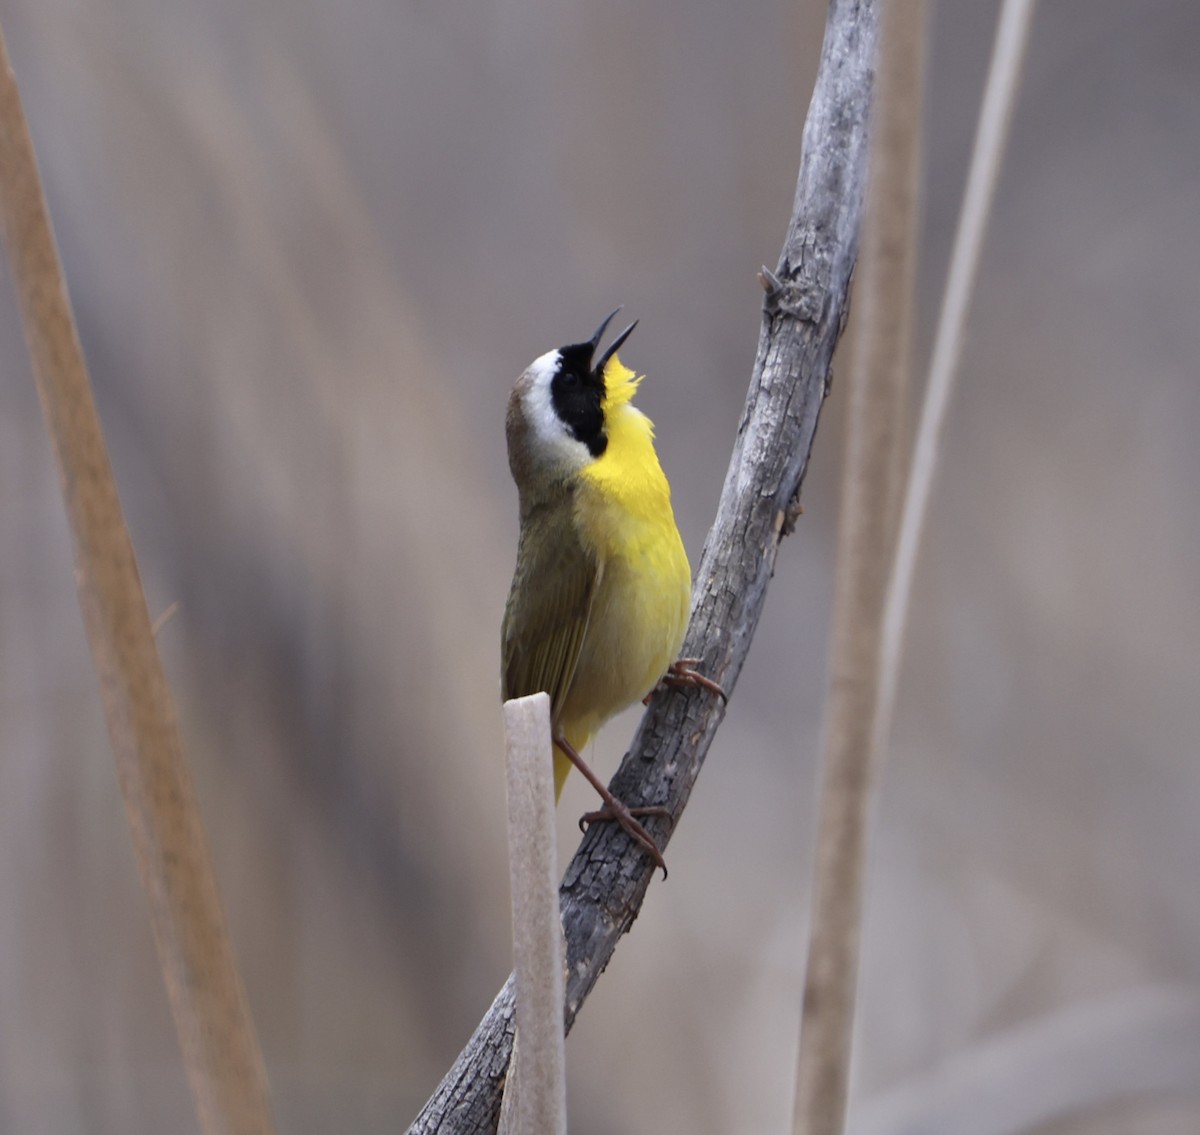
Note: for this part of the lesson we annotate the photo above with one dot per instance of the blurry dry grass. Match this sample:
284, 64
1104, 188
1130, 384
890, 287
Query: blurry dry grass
218, 1046
309, 249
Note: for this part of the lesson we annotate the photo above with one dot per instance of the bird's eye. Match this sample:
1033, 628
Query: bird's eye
569, 379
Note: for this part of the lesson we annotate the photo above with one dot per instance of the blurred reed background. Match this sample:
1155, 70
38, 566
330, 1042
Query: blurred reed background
310, 247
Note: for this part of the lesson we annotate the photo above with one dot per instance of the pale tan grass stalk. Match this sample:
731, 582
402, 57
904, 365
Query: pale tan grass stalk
877, 386
535, 1094
224, 1065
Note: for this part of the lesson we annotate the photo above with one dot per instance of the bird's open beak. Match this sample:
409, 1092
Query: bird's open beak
614, 345
594, 341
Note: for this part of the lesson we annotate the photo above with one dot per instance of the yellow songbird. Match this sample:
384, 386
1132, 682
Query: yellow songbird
599, 599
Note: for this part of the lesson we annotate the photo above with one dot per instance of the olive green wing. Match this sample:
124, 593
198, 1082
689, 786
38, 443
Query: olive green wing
549, 606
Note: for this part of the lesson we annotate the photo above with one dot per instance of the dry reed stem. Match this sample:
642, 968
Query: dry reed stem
224, 1065
535, 1093
877, 384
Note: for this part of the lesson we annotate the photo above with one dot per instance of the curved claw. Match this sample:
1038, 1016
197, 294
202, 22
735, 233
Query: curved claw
681, 673
624, 816
613, 808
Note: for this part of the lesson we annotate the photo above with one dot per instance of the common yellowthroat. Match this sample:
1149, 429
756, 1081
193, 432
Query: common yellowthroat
599, 599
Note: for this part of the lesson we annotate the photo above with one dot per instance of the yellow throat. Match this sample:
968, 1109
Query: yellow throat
624, 516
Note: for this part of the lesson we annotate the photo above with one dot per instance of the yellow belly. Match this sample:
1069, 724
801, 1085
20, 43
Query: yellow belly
638, 617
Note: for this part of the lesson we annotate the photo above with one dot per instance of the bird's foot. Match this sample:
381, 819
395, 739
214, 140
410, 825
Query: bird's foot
613, 809
682, 673
626, 817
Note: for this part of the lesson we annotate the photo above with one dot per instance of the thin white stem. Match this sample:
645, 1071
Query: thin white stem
1012, 33
535, 1098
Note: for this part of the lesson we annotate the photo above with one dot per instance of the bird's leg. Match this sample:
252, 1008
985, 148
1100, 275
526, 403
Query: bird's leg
682, 672
613, 808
